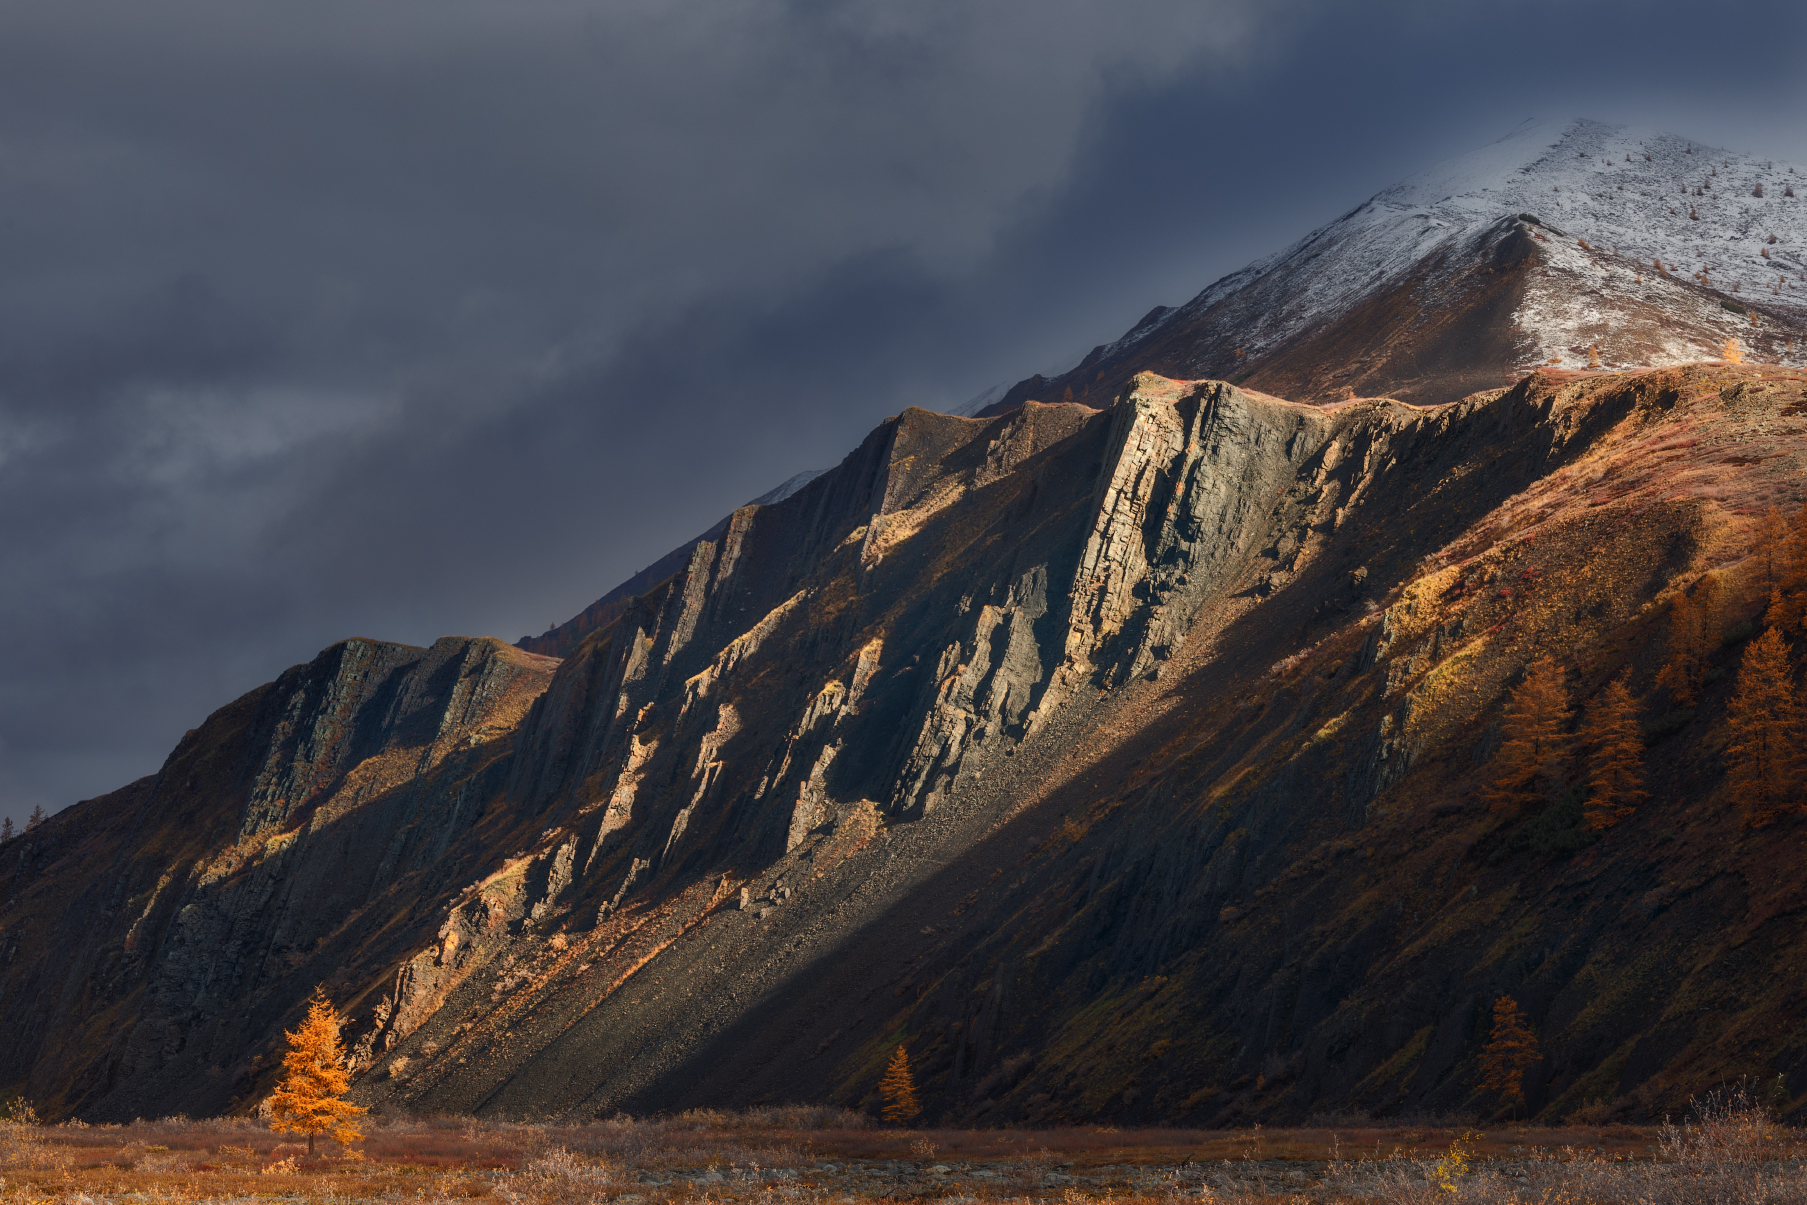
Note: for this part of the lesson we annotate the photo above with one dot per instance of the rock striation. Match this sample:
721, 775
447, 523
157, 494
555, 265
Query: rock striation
1024, 737
1120, 755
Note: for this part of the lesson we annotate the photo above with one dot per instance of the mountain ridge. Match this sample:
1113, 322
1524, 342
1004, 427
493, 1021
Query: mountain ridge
1120, 761
1257, 323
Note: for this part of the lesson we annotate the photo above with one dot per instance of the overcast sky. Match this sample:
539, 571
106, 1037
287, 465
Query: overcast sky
407, 318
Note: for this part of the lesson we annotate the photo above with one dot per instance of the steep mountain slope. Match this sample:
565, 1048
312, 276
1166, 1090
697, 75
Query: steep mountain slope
155, 939
1560, 243
1271, 888
1120, 761
1020, 739
1432, 290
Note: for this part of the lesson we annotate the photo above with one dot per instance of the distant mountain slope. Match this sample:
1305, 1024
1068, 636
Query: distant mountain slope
1471, 274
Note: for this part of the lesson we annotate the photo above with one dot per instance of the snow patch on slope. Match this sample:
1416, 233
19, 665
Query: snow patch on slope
1627, 192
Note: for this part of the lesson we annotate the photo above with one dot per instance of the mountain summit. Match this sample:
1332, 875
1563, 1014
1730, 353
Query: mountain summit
1560, 243
1138, 761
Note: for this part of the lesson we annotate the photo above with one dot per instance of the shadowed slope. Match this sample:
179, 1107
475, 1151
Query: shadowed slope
1120, 762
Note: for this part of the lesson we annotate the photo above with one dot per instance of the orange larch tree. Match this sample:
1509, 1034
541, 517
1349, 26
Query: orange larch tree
310, 1099
1774, 543
1691, 621
1511, 1051
898, 1089
1534, 746
1788, 600
1615, 759
1762, 754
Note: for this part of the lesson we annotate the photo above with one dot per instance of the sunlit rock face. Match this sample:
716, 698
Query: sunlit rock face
1119, 756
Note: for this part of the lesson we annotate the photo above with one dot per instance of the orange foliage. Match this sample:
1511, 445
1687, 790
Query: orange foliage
1509, 1053
1615, 766
1762, 757
1784, 548
1531, 755
898, 1089
310, 1098
1690, 640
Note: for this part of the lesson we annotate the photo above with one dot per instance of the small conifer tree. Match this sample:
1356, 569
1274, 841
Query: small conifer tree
1511, 1051
1615, 764
1762, 756
898, 1090
6, 830
1788, 597
36, 818
1531, 754
1690, 628
310, 1099
1731, 353
1593, 355
1772, 540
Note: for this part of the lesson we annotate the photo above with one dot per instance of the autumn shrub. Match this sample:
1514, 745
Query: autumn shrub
775, 1117
1727, 1151
556, 1177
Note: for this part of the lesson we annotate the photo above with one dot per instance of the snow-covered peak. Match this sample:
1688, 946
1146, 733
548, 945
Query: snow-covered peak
1631, 193
1610, 200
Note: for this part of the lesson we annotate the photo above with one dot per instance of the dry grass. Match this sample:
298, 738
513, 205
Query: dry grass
1728, 1152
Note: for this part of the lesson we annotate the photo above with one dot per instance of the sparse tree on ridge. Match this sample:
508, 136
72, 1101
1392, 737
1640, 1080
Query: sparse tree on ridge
898, 1090
6, 830
310, 1099
36, 818
1529, 763
1762, 756
1615, 762
1511, 1051
1730, 353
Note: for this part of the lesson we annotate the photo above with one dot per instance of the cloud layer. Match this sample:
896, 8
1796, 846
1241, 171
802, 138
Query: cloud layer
401, 318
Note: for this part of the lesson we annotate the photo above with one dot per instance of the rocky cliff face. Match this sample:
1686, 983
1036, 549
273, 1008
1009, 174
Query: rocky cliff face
155, 938
1119, 761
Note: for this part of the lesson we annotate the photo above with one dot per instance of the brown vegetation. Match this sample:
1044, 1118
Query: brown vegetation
1764, 717
1511, 1051
1530, 759
898, 1090
1691, 631
1728, 1149
1615, 759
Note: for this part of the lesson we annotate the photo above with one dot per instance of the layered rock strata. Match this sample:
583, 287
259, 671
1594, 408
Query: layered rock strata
1000, 729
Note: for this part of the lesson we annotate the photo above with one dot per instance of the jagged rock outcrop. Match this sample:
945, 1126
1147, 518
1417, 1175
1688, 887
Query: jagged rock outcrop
157, 936
1164, 714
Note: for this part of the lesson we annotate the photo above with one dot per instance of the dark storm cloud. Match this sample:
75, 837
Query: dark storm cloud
401, 319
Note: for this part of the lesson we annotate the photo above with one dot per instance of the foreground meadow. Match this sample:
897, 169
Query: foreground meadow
783, 1156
